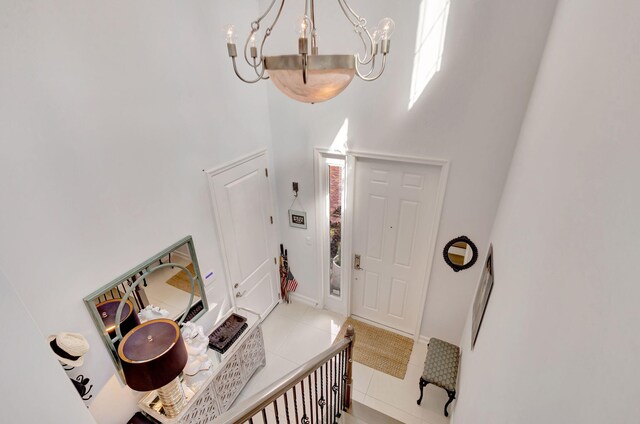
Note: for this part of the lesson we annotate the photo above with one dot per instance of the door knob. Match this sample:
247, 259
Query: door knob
236, 285
238, 294
356, 262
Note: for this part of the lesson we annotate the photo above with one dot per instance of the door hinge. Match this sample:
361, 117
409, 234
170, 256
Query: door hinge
271, 219
275, 261
266, 172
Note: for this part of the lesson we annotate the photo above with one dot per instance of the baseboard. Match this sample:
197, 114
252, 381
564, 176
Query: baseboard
424, 339
303, 299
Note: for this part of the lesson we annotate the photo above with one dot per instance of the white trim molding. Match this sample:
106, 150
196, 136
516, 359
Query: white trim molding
212, 172
304, 299
351, 157
231, 164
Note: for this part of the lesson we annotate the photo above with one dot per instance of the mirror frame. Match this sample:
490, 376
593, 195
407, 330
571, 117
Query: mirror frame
89, 300
474, 256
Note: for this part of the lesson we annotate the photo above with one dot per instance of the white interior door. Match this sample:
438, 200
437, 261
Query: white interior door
395, 210
243, 207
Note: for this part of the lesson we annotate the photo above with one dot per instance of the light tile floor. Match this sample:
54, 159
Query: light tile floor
294, 333
164, 295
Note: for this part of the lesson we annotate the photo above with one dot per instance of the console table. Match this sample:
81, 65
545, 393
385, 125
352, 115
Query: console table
231, 372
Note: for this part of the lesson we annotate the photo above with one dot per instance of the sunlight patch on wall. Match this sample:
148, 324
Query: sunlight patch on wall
430, 36
339, 144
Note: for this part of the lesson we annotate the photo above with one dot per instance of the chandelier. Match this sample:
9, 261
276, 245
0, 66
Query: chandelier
308, 76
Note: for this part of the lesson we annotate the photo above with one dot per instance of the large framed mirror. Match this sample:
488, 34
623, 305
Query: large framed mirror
160, 287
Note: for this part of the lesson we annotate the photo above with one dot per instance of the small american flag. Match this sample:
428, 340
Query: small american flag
292, 284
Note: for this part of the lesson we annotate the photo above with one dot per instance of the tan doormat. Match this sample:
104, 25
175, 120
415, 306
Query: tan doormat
379, 349
181, 281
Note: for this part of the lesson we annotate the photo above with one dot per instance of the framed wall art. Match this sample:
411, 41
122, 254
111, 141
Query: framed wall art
482, 296
297, 219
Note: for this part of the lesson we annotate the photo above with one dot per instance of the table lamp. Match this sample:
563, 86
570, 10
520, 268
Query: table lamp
107, 311
153, 354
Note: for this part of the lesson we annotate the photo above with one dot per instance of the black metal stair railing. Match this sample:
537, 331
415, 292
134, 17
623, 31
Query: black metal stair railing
317, 392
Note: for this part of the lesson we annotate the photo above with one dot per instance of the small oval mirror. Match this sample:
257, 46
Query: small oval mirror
460, 253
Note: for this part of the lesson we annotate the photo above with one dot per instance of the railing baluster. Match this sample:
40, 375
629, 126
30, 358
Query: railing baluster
295, 404
322, 401
286, 407
250, 420
334, 388
305, 417
339, 382
315, 381
275, 408
327, 390
333, 402
310, 399
344, 378
264, 416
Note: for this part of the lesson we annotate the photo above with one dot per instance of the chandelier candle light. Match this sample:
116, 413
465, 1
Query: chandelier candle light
308, 76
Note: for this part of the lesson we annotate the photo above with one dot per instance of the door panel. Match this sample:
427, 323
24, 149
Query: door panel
242, 201
406, 229
248, 227
397, 298
375, 239
394, 214
371, 291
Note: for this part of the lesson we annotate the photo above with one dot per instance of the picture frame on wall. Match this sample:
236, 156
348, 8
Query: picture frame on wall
297, 219
482, 296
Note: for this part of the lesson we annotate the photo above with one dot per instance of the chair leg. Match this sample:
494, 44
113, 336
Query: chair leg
452, 396
423, 383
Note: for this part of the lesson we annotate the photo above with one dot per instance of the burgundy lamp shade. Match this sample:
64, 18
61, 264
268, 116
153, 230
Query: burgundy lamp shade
128, 320
152, 355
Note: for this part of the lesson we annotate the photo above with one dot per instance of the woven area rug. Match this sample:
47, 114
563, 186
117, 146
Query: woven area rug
181, 281
379, 349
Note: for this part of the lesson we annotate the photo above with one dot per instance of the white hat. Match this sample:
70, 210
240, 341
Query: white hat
69, 348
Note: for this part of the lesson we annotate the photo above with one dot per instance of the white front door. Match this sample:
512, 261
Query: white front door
243, 208
394, 217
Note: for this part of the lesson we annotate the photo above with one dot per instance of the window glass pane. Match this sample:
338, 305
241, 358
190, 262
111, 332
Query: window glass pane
335, 227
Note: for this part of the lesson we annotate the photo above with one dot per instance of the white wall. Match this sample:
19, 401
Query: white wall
110, 111
470, 114
560, 340
34, 387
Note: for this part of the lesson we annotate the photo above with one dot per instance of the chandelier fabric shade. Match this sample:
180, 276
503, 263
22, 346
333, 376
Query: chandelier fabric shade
308, 76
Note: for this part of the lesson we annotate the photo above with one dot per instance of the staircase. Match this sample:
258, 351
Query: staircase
318, 392
362, 414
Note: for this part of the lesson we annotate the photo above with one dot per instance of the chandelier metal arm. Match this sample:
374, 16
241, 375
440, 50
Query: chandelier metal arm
250, 53
344, 5
264, 15
253, 54
235, 69
359, 26
366, 77
255, 27
267, 33
372, 68
370, 49
313, 15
